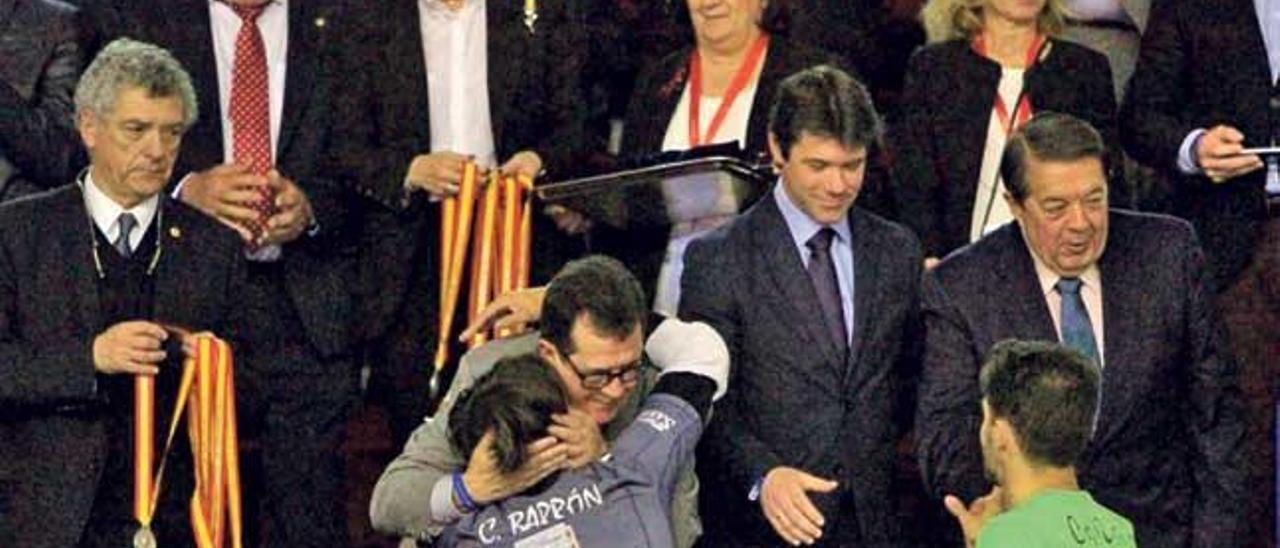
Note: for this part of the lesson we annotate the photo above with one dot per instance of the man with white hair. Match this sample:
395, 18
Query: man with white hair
93, 278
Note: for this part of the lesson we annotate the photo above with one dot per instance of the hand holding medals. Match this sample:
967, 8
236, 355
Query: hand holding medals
504, 236
208, 386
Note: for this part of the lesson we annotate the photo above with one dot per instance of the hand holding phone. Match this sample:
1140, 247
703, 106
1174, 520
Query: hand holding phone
1220, 154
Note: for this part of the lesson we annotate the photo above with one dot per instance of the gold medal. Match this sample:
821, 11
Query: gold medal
144, 538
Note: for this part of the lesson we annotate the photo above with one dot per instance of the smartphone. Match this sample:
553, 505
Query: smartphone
1261, 151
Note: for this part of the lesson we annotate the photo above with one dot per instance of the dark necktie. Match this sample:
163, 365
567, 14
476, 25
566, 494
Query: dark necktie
250, 107
1077, 330
822, 272
127, 224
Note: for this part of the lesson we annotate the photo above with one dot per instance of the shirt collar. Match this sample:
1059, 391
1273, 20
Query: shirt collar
105, 212
1091, 277
801, 225
272, 4
437, 6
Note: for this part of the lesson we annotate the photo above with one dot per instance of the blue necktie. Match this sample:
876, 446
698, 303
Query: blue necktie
1077, 330
822, 272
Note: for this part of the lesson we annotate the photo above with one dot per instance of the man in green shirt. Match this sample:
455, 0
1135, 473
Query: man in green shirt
1039, 402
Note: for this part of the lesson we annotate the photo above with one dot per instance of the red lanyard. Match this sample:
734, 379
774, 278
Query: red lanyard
745, 70
1022, 110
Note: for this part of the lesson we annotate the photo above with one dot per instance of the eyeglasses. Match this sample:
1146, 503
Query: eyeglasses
628, 374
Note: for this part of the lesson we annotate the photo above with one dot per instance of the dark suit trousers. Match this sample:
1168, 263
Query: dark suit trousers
295, 403
1251, 309
401, 360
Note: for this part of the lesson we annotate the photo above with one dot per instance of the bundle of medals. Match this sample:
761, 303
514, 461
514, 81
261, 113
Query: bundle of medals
499, 253
208, 391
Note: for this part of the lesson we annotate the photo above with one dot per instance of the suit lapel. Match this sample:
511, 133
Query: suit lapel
1025, 310
1253, 44
506, 41
193, 39
774, 70
1121, 299
799, 304
411, 70
81, 272
167, 284
306, 48
866, 282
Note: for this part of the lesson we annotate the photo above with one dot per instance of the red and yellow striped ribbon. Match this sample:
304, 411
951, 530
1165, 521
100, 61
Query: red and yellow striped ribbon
499, 255
208, 387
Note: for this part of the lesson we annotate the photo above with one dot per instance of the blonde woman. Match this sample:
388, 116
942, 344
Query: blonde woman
990, 66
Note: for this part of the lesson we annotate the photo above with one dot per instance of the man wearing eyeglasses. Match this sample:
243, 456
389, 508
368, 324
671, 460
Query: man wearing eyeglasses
592, 332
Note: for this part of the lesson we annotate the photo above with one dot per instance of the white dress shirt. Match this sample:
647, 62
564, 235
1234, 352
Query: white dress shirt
989, 208
105, 213
455, 49
1090, 293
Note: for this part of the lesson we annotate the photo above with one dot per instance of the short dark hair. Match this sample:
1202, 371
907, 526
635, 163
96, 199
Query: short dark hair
1048, 136
599, 287
1047, 392
823, 101
516, 400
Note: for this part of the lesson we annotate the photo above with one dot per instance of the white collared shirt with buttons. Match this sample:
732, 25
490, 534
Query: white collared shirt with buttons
455, 51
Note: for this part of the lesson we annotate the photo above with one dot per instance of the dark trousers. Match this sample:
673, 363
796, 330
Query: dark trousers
401, 362
1250, 307
111, 521
295, 404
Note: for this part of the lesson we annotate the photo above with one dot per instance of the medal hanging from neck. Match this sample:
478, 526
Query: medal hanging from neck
748, 67
1022, 107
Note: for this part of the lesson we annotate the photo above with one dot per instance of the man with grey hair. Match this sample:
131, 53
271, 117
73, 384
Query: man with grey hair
101, 281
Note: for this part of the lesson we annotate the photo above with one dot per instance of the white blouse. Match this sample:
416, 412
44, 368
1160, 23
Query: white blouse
989, 208
718, 199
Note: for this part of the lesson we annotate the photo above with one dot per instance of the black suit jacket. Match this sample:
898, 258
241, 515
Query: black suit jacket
1203, 64
946, 106
654, 101
40, 61
533, 105
792, 400
1166, 453
318, 270
51, 408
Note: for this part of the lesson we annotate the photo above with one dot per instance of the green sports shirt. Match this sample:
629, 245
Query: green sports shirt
1054, 519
